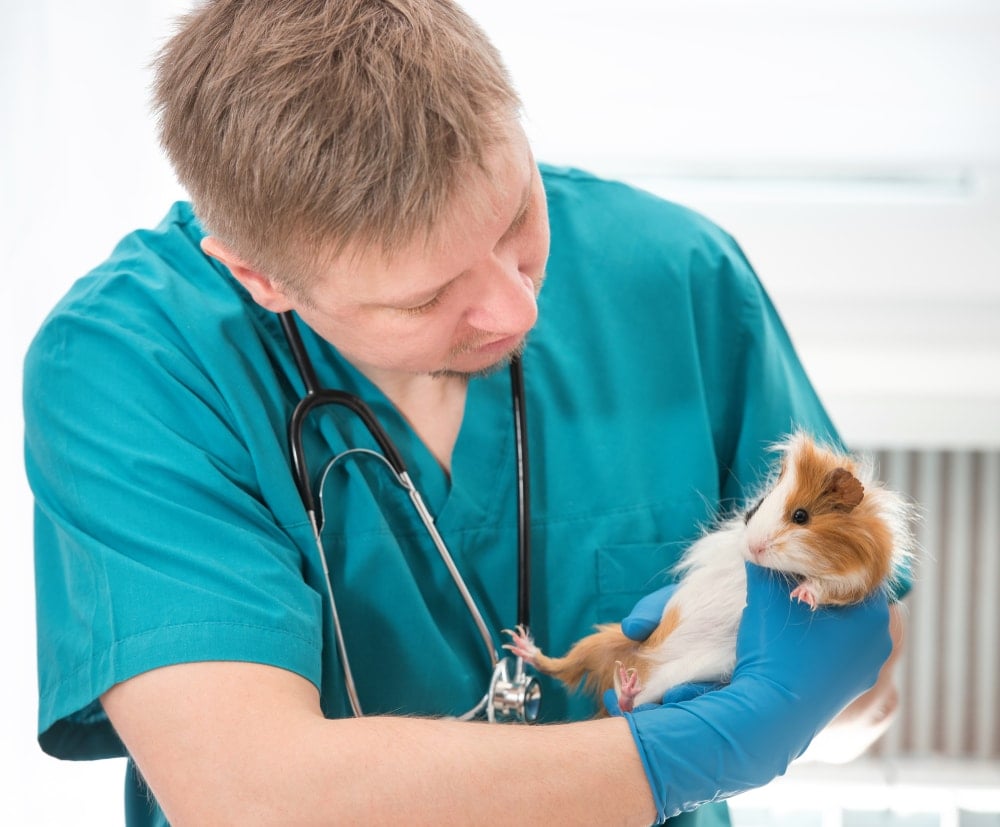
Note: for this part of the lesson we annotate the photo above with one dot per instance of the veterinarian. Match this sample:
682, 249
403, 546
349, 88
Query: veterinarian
361, 165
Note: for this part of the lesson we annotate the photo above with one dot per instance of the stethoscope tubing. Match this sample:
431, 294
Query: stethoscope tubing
523, 493
315, 397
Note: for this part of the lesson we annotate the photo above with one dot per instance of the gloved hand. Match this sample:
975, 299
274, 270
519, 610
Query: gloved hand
795, 670
646, 614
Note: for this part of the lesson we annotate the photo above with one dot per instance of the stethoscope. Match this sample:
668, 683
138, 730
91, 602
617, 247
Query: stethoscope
512, 694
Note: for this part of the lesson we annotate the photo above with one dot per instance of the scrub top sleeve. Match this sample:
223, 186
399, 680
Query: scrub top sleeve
770, 394
153, 543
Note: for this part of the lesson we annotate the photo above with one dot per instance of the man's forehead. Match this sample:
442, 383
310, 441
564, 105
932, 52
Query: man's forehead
489, 201
490, 195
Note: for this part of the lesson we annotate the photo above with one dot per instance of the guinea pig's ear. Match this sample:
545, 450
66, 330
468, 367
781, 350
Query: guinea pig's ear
843, 489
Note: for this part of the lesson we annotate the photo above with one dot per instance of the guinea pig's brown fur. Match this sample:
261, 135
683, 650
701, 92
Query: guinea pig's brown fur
824, 520
829, 522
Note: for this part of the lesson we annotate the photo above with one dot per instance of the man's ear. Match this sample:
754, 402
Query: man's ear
263, 289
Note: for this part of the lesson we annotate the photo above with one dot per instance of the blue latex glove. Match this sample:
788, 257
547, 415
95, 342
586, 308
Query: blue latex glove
645, 615
795, 670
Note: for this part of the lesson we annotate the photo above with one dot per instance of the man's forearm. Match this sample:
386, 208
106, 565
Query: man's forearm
584, 773
226, 743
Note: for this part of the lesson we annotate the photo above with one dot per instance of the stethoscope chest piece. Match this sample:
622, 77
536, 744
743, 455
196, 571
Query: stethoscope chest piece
513, 697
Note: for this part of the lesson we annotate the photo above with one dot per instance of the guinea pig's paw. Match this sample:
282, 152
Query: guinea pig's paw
628, 685
521, 644
806, 593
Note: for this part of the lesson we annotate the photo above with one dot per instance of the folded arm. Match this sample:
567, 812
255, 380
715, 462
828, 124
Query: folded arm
240, 743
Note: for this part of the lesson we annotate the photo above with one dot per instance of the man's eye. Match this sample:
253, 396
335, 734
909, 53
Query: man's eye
519, 222
422, 308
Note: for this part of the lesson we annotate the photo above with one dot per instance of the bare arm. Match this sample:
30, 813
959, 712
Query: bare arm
866, 719
241, 743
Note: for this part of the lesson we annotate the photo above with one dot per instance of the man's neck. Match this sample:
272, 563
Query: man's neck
433, 406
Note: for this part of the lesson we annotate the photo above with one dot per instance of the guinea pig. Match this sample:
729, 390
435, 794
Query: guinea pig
824, 521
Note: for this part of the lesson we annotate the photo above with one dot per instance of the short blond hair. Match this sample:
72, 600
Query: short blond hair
303, 127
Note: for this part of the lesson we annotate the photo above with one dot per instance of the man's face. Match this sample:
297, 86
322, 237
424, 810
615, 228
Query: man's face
460, 303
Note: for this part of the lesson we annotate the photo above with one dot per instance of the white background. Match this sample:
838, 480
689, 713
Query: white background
852, 147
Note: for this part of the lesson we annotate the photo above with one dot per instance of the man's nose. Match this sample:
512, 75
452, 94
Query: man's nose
504, 300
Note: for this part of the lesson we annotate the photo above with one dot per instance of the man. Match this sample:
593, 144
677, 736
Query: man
361, 164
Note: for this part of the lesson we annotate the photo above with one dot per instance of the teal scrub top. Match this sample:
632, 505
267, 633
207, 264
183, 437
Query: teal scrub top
169, 529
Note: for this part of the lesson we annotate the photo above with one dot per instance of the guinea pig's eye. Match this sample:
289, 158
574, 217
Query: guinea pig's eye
800, 516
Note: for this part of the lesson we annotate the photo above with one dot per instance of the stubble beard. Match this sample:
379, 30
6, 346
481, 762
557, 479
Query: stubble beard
504, 361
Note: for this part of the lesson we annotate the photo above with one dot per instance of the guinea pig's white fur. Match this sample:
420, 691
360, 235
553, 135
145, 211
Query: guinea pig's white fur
825, 521
709, 600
